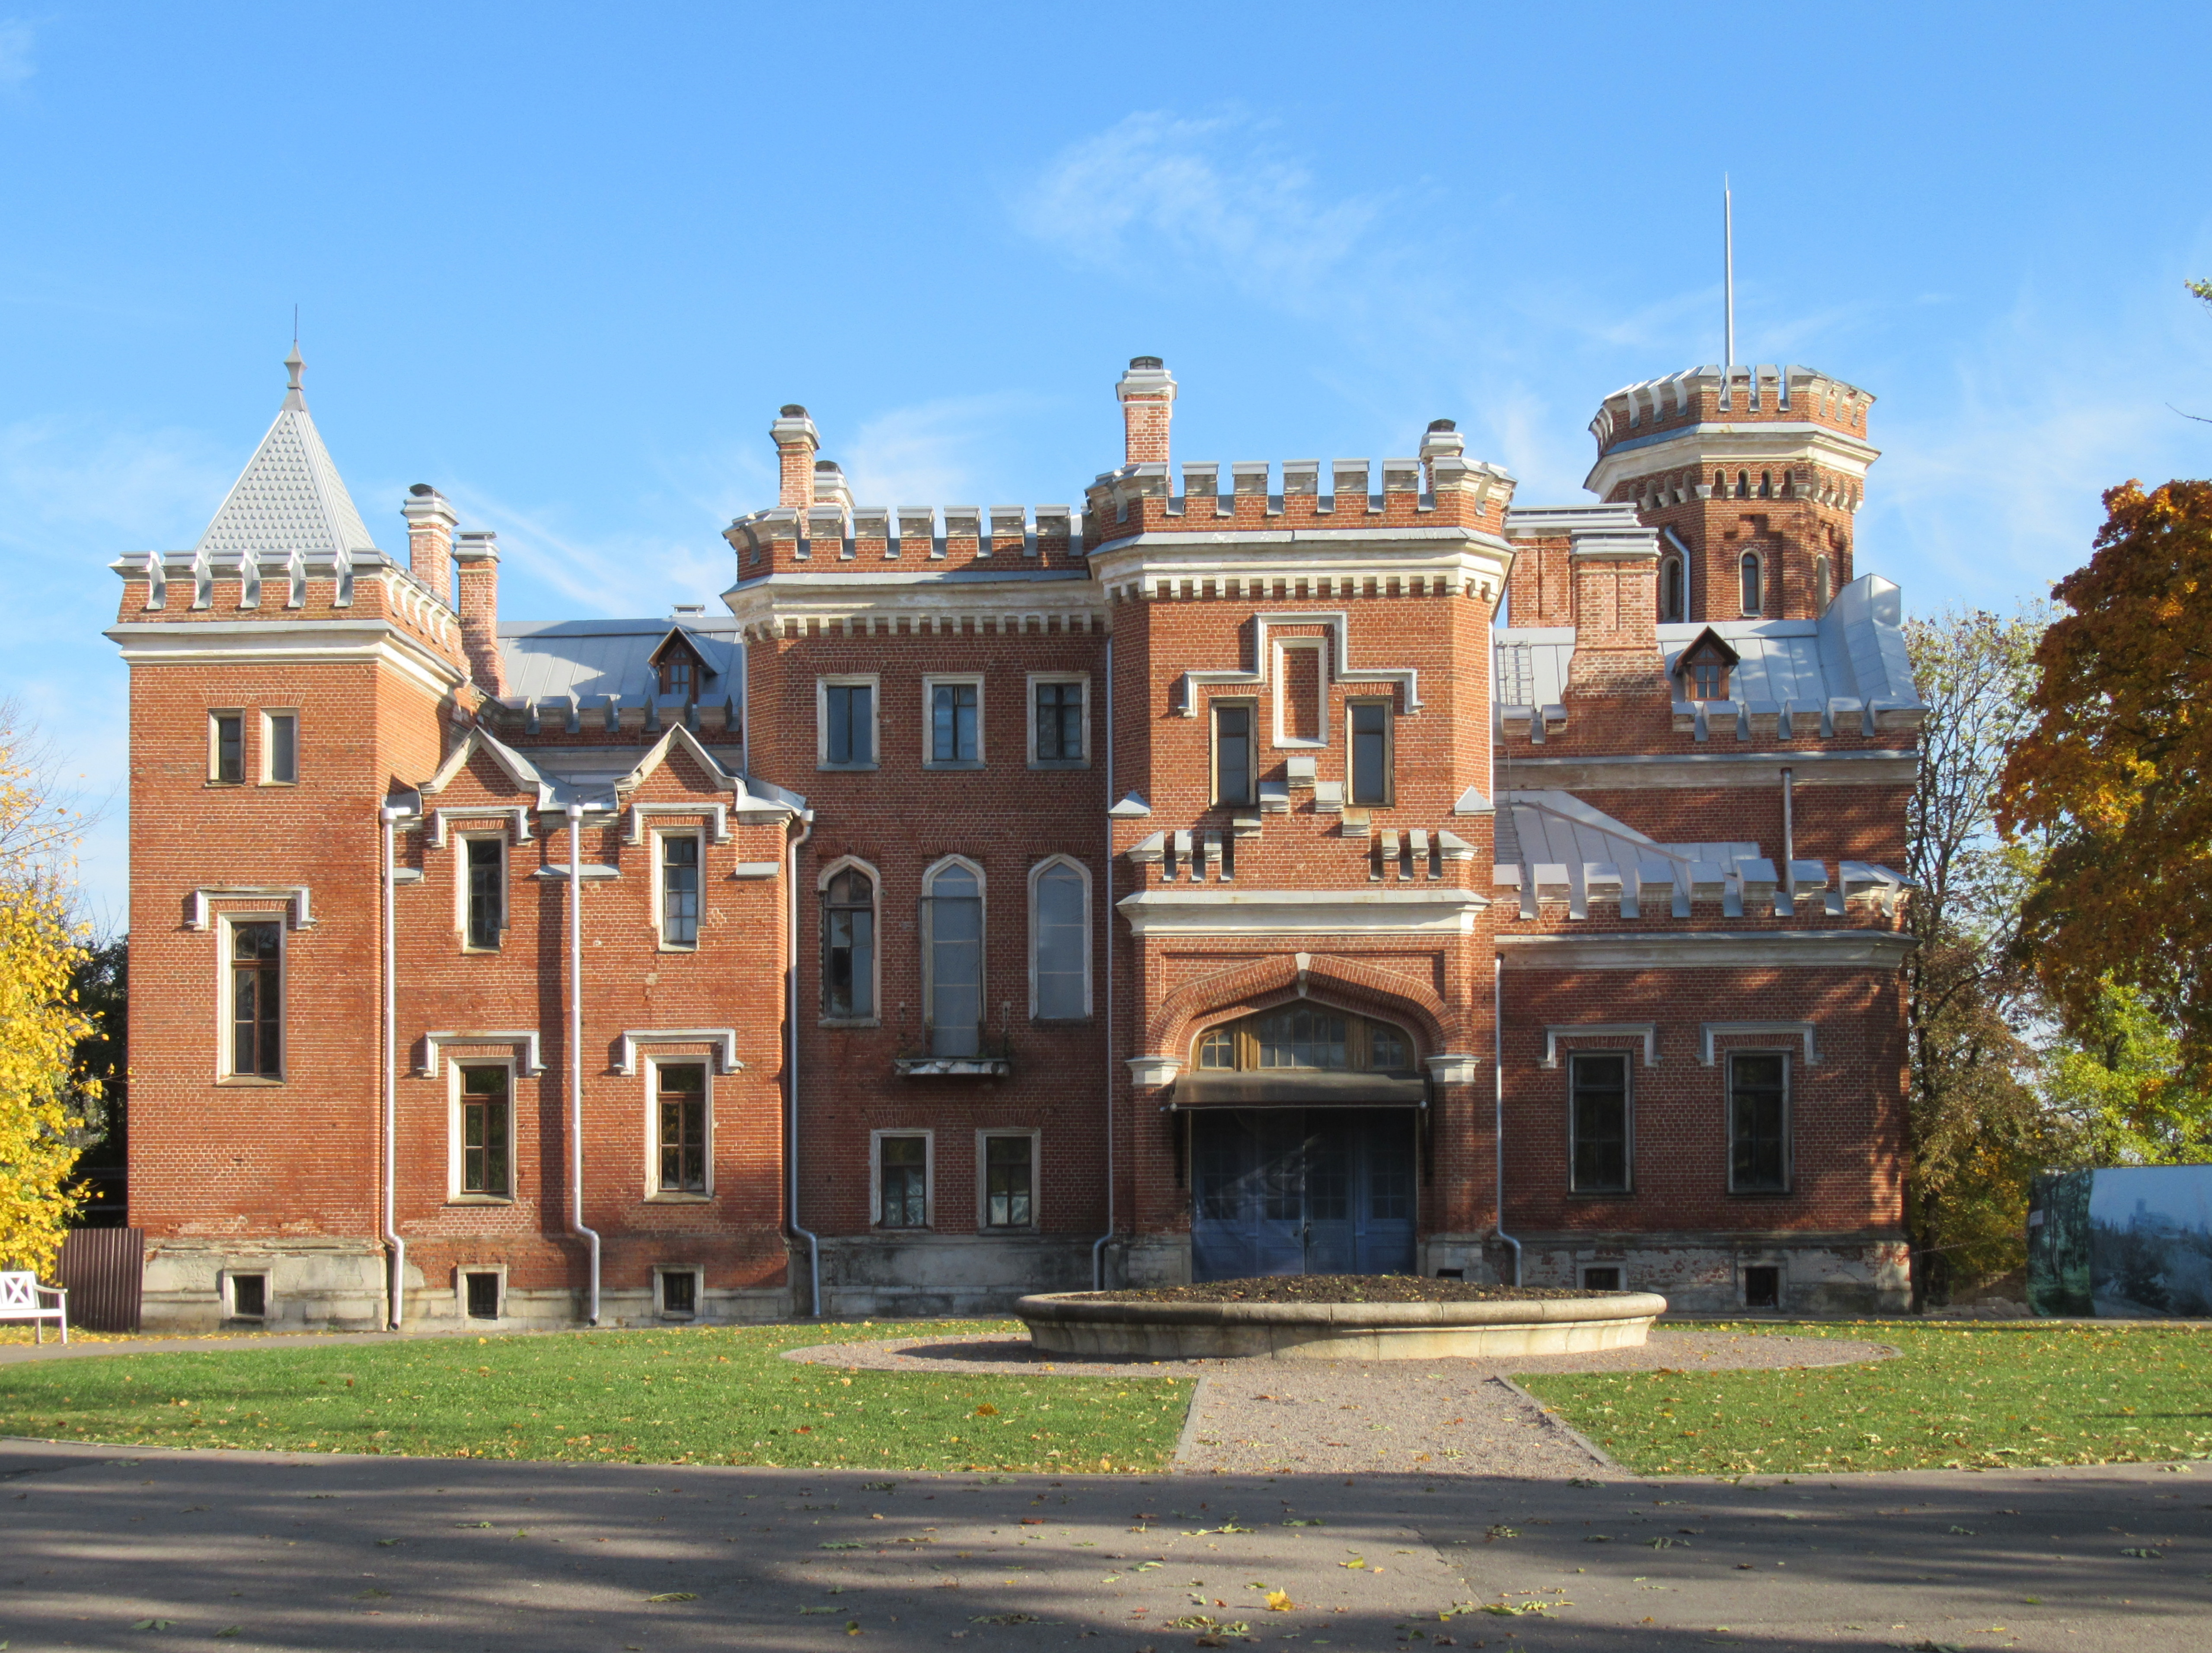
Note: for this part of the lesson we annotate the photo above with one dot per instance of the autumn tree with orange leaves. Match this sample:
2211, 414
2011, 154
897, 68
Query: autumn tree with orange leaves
2112, 778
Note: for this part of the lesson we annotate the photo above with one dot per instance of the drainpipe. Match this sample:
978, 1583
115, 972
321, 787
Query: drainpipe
1098, 1251
1498, 1064
791, 1072
395, 1289
576, 1055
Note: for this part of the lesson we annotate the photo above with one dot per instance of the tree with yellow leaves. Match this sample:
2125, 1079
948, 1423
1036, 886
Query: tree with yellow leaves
2116, 776
41, 1022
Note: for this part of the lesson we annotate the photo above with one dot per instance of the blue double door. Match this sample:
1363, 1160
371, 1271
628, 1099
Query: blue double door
1302, 1191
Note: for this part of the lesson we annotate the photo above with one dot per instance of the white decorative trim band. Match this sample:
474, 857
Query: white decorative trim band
638, 812
295, 896
1455, 1069
433, 1044
1339, 624
1785, 1029
1153, 1070
1223, 910
514, 814
727, 1062
1647, 1031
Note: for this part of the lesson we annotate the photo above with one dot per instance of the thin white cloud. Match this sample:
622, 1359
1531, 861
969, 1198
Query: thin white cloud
618, 574
923, 453
17, 39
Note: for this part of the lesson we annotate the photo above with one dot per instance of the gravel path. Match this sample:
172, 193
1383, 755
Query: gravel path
1402, 1416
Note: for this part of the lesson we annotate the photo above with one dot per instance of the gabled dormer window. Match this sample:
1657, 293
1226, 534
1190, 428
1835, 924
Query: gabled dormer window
679, 667
1704, 667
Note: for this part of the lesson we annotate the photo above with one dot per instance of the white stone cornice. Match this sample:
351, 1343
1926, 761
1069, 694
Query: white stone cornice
1750, 442
861, 603
352, 638
1220, 910
1632, 772
1882, 949
1457, 558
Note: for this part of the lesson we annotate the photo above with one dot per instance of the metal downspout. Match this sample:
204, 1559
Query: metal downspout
395, 1289
1098, 1250
576, 1055
791, 1070
1498, 1064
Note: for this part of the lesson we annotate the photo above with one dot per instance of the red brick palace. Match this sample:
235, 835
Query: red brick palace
1197, 882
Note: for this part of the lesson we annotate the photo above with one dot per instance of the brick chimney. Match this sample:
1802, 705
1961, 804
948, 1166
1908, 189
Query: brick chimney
1615, 574
797, 441
1147, 393
478, 557
430, 539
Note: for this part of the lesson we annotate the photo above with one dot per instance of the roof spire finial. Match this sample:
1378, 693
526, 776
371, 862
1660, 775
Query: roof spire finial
293, 366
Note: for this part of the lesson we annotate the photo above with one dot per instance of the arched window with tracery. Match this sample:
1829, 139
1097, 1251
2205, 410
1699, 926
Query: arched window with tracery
849, 944
1060, 941
952, 957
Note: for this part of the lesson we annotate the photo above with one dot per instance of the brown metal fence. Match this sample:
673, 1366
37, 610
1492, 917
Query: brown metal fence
102, 1269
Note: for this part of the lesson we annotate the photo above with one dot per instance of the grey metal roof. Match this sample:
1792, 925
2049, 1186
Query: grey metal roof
1549, 825
289, 497
589, 659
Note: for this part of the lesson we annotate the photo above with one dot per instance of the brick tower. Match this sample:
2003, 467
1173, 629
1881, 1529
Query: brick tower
1752, 476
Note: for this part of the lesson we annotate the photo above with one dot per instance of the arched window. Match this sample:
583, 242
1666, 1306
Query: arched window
1743, 484
849, 944
1720, 485
1824, 582
1670, 588
1060, 941
1305, 1037
1751, 583
1766, 485
952, 957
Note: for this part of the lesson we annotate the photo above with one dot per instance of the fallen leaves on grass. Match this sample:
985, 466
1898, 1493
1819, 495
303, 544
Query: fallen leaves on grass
675, 1595
1006, 1618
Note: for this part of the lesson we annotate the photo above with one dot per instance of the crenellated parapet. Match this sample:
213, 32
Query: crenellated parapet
831, 535
1443, 489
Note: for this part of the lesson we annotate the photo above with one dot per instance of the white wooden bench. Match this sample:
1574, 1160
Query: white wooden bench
20, 1292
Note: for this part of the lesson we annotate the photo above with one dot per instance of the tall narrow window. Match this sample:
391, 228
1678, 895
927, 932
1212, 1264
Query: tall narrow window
902, 1181
1670, 589
1062, 941
1370, 751
485, 1122
487, 874
1009, 1179
679, 892
952, 722
1758, 1121
955, 960
280, 747
1751, 583
1597, 1106
848, 723
1059, 722
257, 1001
849, 944
1743, 484
1824, 582
1232, 753
227, 747
1766, 485
683, 1110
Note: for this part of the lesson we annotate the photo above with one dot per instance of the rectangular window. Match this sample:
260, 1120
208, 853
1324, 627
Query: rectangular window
227, 747
1598, 1119
1758, 1121
1602, 1278
1232, 753
485, 1118
1059, 723
955, 722
486, 875
280, 748
481, 1288
1370, 751
848, 724
256, 1000
679, 1292
1009, 1181
679, 892
682, 1111
249, 1296
902, 1181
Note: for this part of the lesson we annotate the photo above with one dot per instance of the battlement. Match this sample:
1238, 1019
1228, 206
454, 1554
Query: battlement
832, 534
1440, 487
1739, 394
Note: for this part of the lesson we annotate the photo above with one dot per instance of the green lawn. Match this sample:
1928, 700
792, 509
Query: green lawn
708, 1395
2008, 1395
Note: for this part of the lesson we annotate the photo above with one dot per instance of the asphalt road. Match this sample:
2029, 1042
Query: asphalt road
144, 1549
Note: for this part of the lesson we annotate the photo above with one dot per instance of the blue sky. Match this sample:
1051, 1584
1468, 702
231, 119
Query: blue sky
565, 263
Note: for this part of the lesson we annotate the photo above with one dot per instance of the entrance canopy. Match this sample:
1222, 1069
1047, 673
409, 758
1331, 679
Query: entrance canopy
1298, 1089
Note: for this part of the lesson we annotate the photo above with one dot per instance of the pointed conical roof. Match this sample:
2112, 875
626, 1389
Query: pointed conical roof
289, 497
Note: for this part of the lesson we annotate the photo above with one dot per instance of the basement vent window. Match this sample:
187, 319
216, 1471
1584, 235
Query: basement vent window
1607, 1279
483, 1290
1762, 1287
679, 1293
249, 1296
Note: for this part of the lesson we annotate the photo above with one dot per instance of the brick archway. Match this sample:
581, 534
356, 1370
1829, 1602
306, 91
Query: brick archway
1346, 982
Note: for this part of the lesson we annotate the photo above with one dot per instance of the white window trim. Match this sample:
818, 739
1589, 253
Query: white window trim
461, 1273
454, 1196
929, 685
461, 887
1759, 557
1389, 705
929, 931
698, 1274
223, 925
268, 714
1036, 680
651, 1066
876, 1180
1036, 873
1319, 647
875, 960
657, 838
874, 684
1036, 1136
214, 775
268, 1278
1627, 1055
1788, 1120
1214, 706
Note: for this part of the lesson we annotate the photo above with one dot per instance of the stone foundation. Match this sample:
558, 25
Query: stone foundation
887, 1277
1701, 1272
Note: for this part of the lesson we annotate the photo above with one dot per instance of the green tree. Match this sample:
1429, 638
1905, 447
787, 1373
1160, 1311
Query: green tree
2116, 1090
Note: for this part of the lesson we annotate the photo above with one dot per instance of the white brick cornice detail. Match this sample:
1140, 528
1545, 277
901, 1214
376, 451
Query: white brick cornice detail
725, 1037
294, 896
1455, 1069
1154, 1070
1216, 910
1878, 949
1341, 669
1647, 1031
434, 1045
1757, 1029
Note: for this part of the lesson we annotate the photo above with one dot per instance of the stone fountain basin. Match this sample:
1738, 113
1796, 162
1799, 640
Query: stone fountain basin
1087, 1325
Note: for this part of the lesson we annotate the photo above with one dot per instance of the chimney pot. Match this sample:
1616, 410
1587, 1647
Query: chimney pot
797, 441
1444, 424
431, 524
